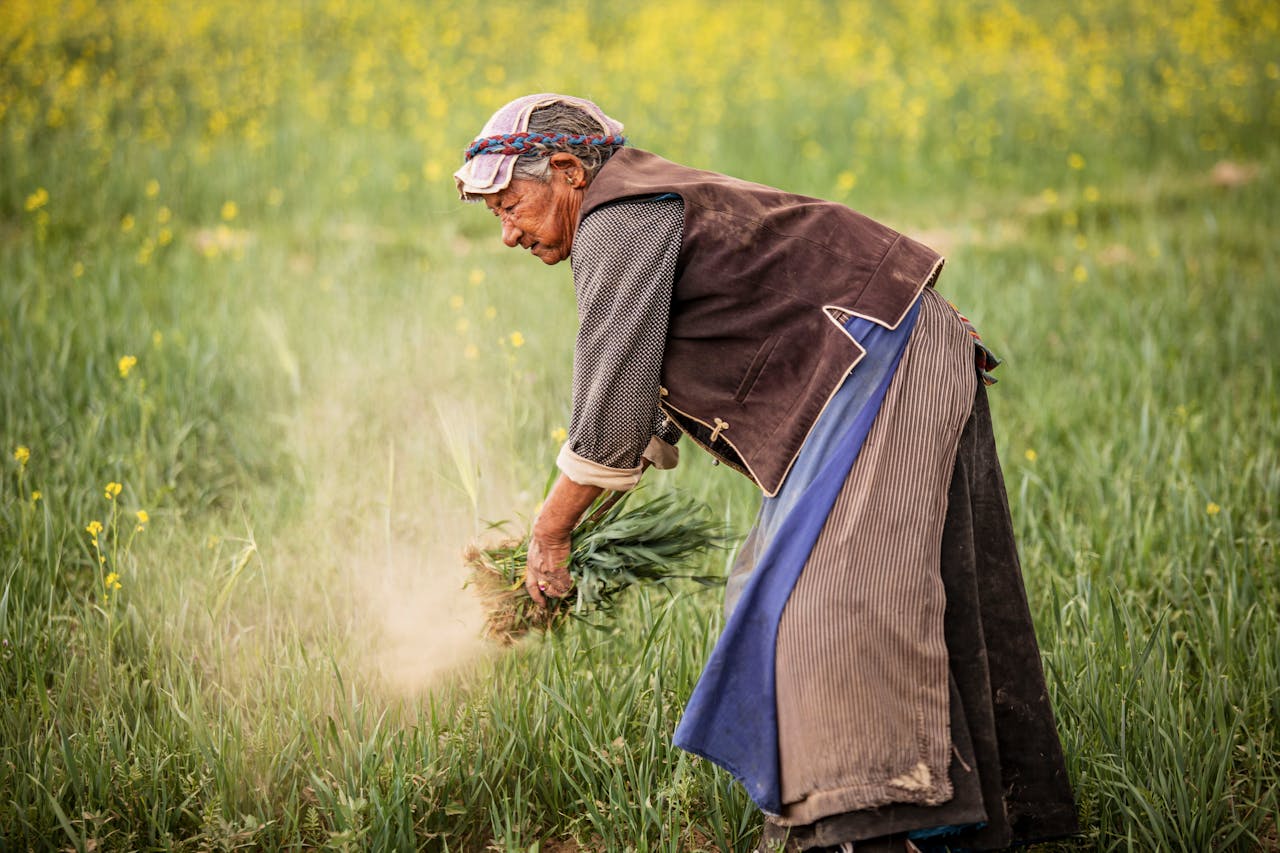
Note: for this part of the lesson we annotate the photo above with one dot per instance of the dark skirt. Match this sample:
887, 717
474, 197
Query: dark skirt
1007, 770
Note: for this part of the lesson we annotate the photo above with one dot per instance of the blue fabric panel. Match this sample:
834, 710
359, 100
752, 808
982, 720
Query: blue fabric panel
731, 718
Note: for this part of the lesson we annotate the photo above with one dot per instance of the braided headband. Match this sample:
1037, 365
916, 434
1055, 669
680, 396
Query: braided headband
535, 143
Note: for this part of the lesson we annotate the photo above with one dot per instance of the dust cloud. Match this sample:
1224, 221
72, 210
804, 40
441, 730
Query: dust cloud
397, 480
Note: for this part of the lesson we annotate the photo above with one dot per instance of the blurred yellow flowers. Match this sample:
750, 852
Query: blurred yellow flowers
112, 491
94, 528
517, 340
125, 364
1212, 508
37, 199
229, 210
22, 454
111, 583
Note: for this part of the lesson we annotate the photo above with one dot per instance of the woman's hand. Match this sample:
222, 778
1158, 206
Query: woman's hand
552, 538
548, 571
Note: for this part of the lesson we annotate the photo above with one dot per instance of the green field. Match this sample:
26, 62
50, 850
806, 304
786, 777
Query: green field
235, 280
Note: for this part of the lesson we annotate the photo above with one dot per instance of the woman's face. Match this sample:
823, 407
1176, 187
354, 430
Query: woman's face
541, 217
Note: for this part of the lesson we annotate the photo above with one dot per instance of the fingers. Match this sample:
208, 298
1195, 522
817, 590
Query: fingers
534, 588
544, 585
556, 584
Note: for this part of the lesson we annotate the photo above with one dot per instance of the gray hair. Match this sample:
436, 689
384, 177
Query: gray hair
563, 118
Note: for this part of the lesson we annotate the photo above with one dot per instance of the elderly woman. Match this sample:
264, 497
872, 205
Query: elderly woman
878, 684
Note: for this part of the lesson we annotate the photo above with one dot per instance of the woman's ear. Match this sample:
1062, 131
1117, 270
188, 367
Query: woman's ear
568, 168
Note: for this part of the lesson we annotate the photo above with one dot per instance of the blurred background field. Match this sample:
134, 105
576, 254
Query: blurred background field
235, 280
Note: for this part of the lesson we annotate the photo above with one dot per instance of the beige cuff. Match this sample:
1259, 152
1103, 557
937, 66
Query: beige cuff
661, 455
584, 472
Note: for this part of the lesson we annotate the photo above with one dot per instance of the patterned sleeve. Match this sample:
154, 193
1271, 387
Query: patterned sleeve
624, 260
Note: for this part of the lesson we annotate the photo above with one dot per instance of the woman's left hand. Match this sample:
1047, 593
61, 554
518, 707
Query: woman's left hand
551, 540
547, 574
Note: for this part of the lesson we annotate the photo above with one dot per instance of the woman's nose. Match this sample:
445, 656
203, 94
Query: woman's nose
510, 235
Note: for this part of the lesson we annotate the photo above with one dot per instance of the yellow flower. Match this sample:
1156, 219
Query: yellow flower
229, 210
112, 491
37, 199
476, 276
1212, 508
77, 269
125, 364
490, 312
462, 325
1075, 161
153, 188
22, 454
111, 581
94, 528
559, 434
1049, 196
1080, 273
471, 352
455, 302
1030, 455
1091, 193
164, 237
163, 215
846, 181
143, 518
36, 495
517, 340
127, 222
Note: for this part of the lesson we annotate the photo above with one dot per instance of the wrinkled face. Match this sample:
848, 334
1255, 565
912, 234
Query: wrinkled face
537, 216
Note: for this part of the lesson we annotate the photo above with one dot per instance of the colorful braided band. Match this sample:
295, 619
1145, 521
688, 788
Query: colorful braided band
535, 143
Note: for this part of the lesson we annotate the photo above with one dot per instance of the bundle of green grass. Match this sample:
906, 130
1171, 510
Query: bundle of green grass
618, 546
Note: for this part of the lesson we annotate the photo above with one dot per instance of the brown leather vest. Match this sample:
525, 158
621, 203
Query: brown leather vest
753, 351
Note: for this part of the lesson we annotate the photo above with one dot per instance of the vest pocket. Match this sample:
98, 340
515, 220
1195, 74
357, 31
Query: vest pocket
753, 371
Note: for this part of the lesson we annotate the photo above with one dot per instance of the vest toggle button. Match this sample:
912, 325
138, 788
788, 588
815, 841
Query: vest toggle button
663, 392
721, 426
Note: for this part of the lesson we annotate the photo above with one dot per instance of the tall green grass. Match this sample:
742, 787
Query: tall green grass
331, 398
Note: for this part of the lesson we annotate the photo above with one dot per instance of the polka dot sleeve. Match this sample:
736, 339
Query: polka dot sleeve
624, 260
